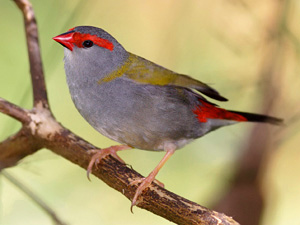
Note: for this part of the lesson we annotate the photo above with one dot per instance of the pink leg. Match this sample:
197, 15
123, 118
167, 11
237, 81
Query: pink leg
145, 182
101, 153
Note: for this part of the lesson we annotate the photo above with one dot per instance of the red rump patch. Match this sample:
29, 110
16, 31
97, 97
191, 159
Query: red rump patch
208, 111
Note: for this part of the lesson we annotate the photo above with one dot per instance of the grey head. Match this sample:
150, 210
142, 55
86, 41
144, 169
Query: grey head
91, 52
90, 55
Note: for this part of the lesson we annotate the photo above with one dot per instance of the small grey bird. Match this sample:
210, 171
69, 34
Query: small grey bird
137, 102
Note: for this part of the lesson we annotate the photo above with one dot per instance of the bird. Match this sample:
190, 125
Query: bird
138, 103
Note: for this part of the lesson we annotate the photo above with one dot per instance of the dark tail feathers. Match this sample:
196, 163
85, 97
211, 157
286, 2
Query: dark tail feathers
251, 117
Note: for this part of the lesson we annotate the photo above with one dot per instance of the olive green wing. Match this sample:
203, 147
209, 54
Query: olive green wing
146, 72
143, 71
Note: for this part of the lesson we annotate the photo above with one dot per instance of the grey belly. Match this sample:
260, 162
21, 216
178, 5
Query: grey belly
142, 116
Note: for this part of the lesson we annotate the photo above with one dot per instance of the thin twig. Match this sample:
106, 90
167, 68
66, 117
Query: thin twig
33, 197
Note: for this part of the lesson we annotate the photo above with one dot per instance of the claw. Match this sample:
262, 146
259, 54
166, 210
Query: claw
131, 208
99, 154
88, 175
145, 182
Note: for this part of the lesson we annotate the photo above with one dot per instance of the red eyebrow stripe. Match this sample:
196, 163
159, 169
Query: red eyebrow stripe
79, 38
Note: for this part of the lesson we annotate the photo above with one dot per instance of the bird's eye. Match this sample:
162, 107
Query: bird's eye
87, 44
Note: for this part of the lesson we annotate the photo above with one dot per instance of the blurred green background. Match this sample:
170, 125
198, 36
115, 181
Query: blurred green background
219, 42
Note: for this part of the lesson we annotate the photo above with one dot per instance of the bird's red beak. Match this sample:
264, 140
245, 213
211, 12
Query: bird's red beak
66, 39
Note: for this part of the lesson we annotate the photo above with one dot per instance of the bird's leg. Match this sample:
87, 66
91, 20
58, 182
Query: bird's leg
101, 153
145, 182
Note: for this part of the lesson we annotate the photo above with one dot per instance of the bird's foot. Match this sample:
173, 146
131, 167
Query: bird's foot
144, 183
101, 153
140, 180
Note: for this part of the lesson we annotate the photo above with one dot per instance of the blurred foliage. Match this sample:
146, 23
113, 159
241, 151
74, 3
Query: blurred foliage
218, 42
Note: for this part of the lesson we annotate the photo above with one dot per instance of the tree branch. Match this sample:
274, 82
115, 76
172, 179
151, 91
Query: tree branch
44, 131
14, 111
41, 130
36, 67
16, 148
